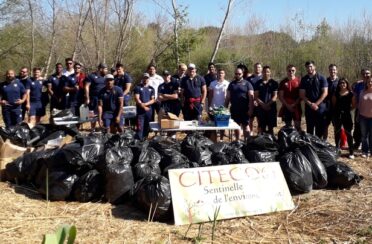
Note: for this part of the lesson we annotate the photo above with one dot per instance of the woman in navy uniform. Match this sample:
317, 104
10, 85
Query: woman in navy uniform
13, 94
110, 106
35, 106
144, 96
266, 93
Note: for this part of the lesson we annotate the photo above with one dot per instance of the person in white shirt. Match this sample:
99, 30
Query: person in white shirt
69, 67
217, 90
154, 81
216, 96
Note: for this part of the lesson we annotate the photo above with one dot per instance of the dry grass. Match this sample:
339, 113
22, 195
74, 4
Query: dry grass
322, 216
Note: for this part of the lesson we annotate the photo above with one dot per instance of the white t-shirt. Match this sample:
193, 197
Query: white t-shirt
154, 82
219, 92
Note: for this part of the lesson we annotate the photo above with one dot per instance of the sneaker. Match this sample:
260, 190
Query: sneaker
364, 155
351, 156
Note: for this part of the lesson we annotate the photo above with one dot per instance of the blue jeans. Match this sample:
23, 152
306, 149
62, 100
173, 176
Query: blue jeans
366, 129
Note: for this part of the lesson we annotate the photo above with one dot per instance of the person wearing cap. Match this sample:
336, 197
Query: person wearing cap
154, 81
55, 85
168, 95
144, 95
240, 95
110, 106
94, 83
194, 92
12, 95
35, 103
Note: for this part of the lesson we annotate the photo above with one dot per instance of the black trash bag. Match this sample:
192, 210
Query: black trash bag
148, 163
89, 187
341, 176
235, 153
121, 140
118, 155
287, 136
153, 192
184, 165
256, 156
196, 148
18, 135
318, 170
218, 147
64, 115
297, 171
68, 158
60, 185
25, 168
137, 146
264, 142
219, 158
51, 136
172, 157
119, 180
161, 144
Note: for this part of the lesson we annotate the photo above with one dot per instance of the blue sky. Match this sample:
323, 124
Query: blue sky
274, 13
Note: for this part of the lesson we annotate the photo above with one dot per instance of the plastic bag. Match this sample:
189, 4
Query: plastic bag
235, 153
172, 157
18, 135
318, 170
153, 192
148, 163
219, 158
161, 144
264, 142
196, 148
255, 156
25, 168
120, 140
342, 176
119, 180
297, 171
59, 185
89, 187
287, 136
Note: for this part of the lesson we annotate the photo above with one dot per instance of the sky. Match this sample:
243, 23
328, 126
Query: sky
273, 13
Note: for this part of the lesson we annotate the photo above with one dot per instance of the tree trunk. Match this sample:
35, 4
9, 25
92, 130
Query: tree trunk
51, 49
82, 18
221, 31
30, 5
175, 30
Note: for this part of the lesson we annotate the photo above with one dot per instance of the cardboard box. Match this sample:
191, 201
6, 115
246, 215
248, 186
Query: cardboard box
168, 120
8, 153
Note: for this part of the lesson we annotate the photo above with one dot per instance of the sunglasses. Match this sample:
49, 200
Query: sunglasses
70, 63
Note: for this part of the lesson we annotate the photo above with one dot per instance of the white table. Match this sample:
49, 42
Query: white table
188, 126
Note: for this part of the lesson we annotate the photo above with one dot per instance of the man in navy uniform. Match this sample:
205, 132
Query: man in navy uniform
313, 91
168, 95
56, 83
35, 105
94, 83
256, 76
124, 81
240, 95
211, 75
194, 92
72, 87
144, 95
110, 106
24, 78
13, 94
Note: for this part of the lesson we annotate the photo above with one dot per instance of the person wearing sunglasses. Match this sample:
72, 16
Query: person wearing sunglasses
265, 94
313, 91
342, 105
240, 95
69, 70
289, 96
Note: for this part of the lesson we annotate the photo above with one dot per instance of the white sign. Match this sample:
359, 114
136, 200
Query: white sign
229, 190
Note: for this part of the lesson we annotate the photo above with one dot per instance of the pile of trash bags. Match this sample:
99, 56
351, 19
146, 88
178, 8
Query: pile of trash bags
120, 168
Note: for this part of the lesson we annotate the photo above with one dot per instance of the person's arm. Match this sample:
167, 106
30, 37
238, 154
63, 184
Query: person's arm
100, 111
121, 105
257, 99
227, 99
204, 94
50, 90
281, 98
210, 95
251, 105
127, 88
86, 90
353, 102
304, 98
323, 96
138, 101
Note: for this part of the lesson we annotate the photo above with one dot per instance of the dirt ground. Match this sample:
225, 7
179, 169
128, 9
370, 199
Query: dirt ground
321, 216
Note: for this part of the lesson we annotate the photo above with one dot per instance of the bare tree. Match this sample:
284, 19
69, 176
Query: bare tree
31, 9
83, 15
221, 30
175, 29
52, 45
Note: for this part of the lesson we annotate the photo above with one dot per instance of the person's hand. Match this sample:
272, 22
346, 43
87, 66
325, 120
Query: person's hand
146, 108
87, 101
100, 122
314, 107
3, 102
255, 103
28, 106
117, 119
18, 102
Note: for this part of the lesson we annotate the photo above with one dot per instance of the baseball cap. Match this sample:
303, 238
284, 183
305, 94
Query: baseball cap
146, 75
102, 66
109, 77
166, 73
191, 66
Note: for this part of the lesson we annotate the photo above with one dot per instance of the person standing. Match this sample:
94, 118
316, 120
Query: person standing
24, 78
124, 81
289, 96
12, 95
144, 95
211, 75
313, 91
168, 95
69, 67
357, 88
265, 94
240, 95
74, 88
181, 72
110, 106
332, 86
94, 83
194, 92
256, 76
35, 104
79, 77
154, 81
365, 118
55, 84
342, 103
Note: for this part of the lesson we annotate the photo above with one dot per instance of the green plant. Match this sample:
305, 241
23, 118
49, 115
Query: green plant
214, 220
65, 232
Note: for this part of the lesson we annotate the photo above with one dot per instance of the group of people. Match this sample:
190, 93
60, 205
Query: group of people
326, 100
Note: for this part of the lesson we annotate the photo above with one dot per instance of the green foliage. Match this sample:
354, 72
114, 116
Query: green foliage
63, 234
